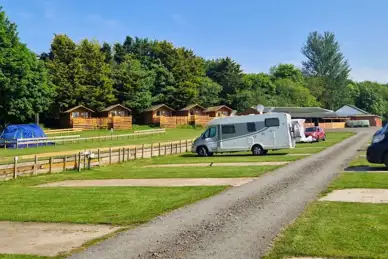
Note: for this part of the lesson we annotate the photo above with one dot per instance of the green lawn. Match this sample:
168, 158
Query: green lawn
9, 256
170, 135
104, 205
362, 162
339, 230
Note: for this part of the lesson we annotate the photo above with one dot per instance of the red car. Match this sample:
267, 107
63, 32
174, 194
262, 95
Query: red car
316, 132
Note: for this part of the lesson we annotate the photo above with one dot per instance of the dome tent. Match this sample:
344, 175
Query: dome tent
14, 132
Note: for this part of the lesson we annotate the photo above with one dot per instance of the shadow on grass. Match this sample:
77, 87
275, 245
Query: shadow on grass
231, 155
365, 168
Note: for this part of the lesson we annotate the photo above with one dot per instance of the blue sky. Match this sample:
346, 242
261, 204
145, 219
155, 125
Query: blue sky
257, 34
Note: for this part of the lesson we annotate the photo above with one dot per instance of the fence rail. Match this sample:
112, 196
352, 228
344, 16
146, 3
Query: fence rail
33, 142
90, 158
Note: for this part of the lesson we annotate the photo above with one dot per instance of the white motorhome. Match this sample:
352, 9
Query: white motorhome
256, 133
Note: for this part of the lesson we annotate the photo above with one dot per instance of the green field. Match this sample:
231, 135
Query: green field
339, 230
170, 135
8, 256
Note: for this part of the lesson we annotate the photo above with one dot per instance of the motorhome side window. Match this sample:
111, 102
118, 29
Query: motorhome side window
251, 126
272, 122
228, 129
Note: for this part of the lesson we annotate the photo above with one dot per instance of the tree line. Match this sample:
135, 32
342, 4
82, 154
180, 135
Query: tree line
140, 72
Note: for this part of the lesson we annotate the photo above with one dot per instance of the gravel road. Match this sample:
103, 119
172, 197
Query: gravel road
238, 223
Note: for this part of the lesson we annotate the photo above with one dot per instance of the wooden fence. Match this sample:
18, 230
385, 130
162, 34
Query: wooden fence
114, 122
327, 125
90, 158
62, 131
173, 122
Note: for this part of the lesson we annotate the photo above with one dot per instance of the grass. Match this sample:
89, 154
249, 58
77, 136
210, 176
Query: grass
170, 135
340, 230
15, 256
103, 205
361, 161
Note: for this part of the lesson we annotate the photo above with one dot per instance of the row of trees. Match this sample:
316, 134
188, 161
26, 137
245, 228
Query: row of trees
140, 72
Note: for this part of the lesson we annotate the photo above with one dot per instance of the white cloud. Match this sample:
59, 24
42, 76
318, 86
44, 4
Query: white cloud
370, 74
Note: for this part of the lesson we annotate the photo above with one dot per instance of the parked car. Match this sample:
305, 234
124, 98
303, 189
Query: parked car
377, 152
316, 133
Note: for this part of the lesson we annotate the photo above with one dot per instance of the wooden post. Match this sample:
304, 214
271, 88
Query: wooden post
75, 161
171, 149
110, 155
187, 145
159, 150
165, 149
15, 167
135, 157
79, 162
35, 165
98, 156
128, 154
152, 149
119, 155
123, 154
50, 165
180, 146
142, 151
64, 163
84, 161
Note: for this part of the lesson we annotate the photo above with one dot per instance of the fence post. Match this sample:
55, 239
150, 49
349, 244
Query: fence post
128, 154
50, 165
171, 149
110, 155
15, 167
159, 150
187, 145
119, 155
135, 153
64, 162
75, 161
98, 155
35, 165
123, 154
79, 162
152, 149
142, 151
180, 146
165, 149
84, 160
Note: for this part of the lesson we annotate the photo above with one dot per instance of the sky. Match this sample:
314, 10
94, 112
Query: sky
255, 33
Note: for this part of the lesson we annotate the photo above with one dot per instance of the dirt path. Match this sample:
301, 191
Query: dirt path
218, 164
47, 239
165, 182
238, 223
358, 195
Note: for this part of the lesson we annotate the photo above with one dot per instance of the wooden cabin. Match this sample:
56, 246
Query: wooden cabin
78, 112
191, 111
249, 110
218, 111
153, 114
116, 110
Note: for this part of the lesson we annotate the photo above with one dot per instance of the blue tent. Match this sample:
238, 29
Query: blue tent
13, 132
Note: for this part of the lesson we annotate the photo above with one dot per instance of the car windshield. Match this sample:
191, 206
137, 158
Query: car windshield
311, 129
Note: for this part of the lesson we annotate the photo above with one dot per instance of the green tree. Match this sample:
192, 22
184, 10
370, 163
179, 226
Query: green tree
133, 84
290, 93
325, 60
371, 99
287, 71
209, 92
24, 88
106, 49
261, 87
61, 66
93, 76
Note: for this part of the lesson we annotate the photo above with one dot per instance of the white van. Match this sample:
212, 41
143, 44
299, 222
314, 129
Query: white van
256, 133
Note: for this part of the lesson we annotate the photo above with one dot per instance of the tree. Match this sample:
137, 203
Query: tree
287, 71
61, 66
106, 49
93, 76
289, 93
24, 88
209, 92
325, 60
133, 84
370, 98
228, 74
261, 87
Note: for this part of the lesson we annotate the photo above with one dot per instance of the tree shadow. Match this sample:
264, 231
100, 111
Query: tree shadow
366, 168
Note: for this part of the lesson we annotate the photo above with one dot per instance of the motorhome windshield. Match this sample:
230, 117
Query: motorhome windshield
210, 132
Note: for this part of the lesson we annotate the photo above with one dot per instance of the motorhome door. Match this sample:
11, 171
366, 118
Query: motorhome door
273, 125
211, 138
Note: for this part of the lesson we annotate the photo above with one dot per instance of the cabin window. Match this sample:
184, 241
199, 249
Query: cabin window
191, 112
228, 129
251, 126
272, 122
157, 113
75, 114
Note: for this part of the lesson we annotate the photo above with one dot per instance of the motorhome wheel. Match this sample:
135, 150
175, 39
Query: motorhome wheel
202, 151
257, 150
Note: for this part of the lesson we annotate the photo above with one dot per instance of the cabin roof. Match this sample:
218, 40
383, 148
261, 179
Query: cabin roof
114, 106
191, 106
298, 110
157, 106
216, 108
77, 107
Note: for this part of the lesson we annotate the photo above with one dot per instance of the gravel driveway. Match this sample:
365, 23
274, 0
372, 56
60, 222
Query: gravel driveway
238, 223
